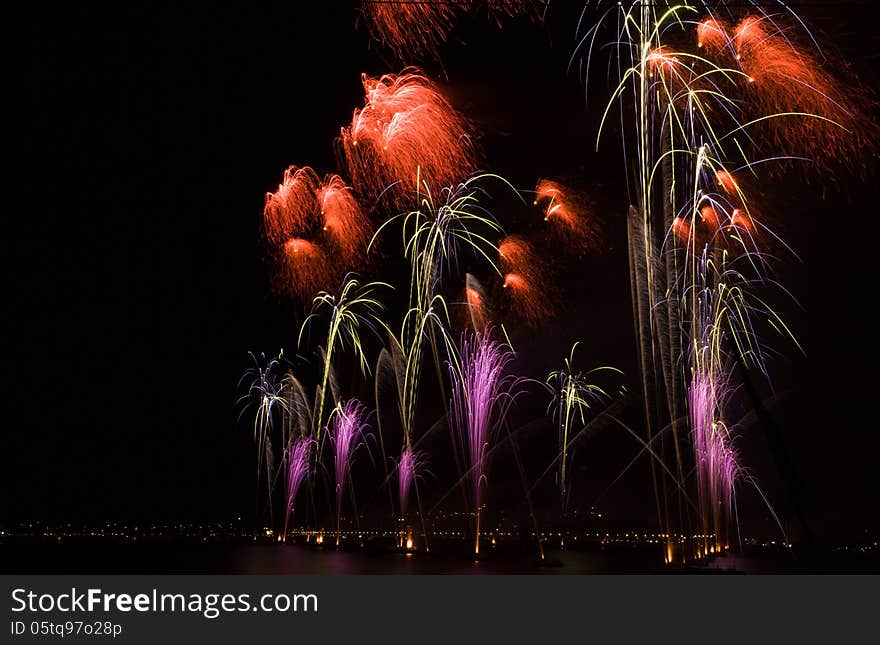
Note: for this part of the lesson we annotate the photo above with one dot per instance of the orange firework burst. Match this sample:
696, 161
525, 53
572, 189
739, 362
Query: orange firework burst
786, 79
712, 35
475, 304
662, 60
728, 184
302, 269
682, 229
344, 223
565, 210
409, 27
406, 132
316, 231
414, 28
290, 210
741, 219
709, 216
524, 283
498, 9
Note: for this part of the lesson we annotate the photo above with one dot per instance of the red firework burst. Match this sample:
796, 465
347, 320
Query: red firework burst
475, 306
344, 223
291, 209
682, 229
302, 269
740, 219
662, 61
566, 211
406, 132
417, 28
316, 232
823, 111
709, 216
712, 35
409, 27
727, 183
524, 282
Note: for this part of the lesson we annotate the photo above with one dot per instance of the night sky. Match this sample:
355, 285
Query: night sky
139, 284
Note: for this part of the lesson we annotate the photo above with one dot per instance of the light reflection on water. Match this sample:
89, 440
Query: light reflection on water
250, 558
299, 560
267, 558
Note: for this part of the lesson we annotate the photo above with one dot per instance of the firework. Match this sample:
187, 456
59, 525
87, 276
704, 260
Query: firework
573, 398
709, 216
344, 223
301, 268
694, 258
266, 394
298, 469
712, 35
499, 9
662, 60
410, 27
482, 392
804, 108
354, 309
727, 183
523, 280
476, 307
315, 230
436, 234
566, 212
292, 209
443, 228
717, 463
409, 468
348, 429
406, 133
416, 28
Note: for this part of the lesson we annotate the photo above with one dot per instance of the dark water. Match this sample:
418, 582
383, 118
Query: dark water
246, 558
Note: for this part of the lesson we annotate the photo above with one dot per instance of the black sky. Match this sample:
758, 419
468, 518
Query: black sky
138, 282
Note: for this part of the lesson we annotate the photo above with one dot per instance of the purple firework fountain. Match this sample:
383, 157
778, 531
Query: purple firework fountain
482, 393
347, 430
409, 467
298, 469
717, 461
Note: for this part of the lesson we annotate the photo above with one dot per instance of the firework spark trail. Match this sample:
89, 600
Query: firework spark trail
351, 311
348, 429
406, 133
720, 305
409, 467
482, 394
416, 28
566, 211
524, 281
439, 231
573, 399
298, 470
434, 236
717, 463
266, 391
410, 28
